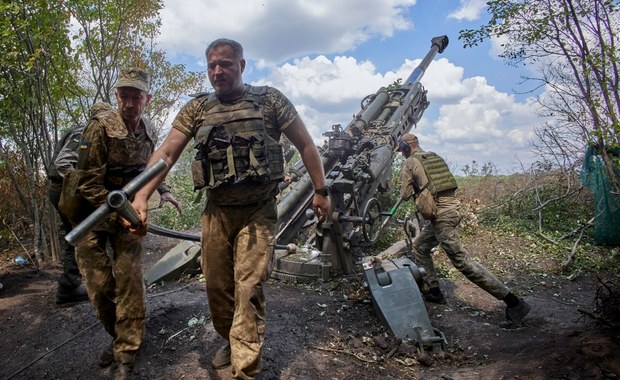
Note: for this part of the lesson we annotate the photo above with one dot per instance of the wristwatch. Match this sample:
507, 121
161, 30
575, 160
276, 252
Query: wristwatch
324, 191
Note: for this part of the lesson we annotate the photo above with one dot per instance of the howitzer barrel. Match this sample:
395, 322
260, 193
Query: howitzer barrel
118, 201
414, 102
438, 45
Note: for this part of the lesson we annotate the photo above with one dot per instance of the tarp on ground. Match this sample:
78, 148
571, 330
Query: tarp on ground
607, 205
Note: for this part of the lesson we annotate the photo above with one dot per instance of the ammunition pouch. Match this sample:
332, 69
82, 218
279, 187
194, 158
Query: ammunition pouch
72, 205
425, 204
201, 170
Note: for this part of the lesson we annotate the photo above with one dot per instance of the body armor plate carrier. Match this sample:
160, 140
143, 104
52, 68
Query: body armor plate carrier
234, 146
439, 176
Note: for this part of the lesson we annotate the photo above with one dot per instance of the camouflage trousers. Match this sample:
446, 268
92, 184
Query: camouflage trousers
115, 286
443, 231
237, 252
70, 277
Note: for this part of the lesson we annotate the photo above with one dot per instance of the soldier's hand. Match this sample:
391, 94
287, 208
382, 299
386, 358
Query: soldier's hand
168, 197
321, 205
141, 209
139, 229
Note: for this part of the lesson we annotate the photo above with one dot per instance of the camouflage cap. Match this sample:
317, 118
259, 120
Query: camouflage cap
134, 77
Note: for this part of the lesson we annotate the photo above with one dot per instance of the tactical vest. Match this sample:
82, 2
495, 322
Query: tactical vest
439, 176
234, 145
127, 156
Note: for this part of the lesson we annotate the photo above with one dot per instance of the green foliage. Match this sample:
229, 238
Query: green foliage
58, 58
572, 44
180, 180
168, 216
557, 218
36, 82
445, 269
114, 34
504, 227
550, 231
392, 233
487, 169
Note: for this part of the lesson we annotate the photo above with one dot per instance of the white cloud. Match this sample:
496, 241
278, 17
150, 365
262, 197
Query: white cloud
469, 10
272, 31
474, 121
324, 91
314, 52
485, 125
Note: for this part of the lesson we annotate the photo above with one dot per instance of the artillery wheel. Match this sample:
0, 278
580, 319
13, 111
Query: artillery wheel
371, 226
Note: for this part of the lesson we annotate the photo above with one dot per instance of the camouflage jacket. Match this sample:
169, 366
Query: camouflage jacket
110, 155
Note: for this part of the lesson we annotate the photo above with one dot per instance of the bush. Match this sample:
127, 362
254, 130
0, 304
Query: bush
183, 190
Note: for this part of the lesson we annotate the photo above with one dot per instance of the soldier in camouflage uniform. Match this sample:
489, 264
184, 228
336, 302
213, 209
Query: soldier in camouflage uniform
70, 288
115, 148
427, 178
240, 162
64, 160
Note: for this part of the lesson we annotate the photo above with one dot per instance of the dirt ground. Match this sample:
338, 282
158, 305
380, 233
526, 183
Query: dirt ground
319, 331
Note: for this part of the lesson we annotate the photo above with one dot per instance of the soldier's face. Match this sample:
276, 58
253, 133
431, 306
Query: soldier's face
225, 71
131, 103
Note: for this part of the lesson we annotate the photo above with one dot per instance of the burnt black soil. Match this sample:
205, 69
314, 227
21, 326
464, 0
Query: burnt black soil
318, 331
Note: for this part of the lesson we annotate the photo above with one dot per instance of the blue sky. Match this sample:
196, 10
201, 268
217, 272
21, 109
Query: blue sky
327, 55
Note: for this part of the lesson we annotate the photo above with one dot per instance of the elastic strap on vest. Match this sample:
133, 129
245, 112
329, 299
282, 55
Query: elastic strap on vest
211, 176
232, 172
256, 165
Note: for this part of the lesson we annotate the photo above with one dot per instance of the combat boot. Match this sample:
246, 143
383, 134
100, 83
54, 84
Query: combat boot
222, 357
435, 295
515, 314
66, 295
106, 358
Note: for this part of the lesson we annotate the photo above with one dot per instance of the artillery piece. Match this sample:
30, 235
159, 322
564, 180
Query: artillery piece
358, 164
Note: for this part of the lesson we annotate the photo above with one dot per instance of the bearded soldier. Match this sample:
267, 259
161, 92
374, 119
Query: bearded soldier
240, 162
